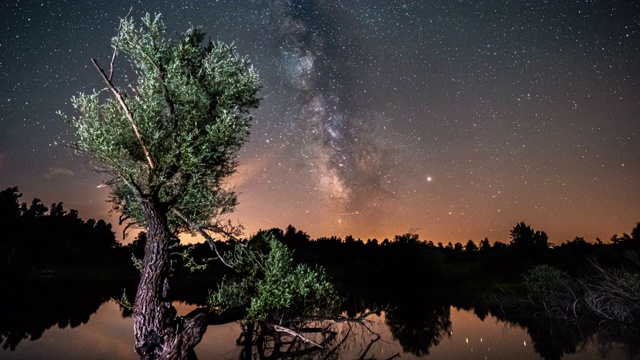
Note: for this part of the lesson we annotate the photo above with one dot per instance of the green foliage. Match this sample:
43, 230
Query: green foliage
190, 103
124, 300
271, 286
189, 262
137, 263
545, 280
631, 282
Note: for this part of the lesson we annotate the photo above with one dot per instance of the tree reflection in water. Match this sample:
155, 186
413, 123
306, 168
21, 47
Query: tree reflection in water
411, 325
554, 338
326, 338
28, 313
419, 328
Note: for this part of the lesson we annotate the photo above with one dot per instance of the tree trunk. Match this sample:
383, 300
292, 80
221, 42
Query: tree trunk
159, 334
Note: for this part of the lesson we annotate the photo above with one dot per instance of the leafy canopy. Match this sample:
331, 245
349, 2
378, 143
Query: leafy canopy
271, 286
190, 103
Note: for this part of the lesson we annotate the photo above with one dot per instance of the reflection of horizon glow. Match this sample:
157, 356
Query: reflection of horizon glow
107, 335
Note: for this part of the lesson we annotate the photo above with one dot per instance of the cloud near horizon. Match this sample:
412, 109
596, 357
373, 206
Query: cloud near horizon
245, 172
57, 171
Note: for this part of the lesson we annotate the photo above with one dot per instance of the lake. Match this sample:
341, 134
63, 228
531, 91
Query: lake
445, 332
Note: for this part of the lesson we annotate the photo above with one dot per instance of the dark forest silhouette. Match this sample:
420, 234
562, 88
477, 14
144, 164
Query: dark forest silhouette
37, 238
419, 279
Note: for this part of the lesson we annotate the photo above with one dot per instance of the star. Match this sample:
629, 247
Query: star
363, 103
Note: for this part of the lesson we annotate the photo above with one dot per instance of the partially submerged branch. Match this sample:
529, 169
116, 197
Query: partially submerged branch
283, 329
325, 338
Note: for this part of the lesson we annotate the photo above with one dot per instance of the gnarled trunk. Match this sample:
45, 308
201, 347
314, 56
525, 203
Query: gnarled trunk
159, 334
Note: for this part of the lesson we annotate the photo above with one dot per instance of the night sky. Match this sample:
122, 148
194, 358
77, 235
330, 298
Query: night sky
456, 119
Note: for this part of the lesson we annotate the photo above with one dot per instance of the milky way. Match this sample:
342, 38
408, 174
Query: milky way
458, 119
334, 123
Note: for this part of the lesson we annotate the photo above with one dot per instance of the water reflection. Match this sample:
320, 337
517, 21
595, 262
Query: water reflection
56, 322
30, 311
311, 340
419, 328
553, 339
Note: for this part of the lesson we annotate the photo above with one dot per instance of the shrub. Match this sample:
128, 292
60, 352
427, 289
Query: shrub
544, 280
271, 286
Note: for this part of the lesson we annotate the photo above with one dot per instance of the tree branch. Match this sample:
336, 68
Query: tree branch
221, 230
115, 46
283, 329
342, 319
126, 111
201, 231
167, 99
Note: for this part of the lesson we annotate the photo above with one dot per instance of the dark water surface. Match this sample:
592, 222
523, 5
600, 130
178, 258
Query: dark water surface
459, 334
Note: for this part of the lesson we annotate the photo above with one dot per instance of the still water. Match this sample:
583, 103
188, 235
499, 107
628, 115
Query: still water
455, 334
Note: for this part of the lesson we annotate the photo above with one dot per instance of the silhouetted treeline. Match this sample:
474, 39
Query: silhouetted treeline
419, 279
407, 262
37, 238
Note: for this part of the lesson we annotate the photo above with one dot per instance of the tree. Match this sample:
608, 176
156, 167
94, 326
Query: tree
36, 210
272, 288
294, 238
635, 233
166, 143
499, 245
11, 231
627, 240
408, 238
524, 237
485, 245
9, 205
471, 246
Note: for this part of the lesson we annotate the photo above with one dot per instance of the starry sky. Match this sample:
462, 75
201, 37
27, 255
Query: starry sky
454, 119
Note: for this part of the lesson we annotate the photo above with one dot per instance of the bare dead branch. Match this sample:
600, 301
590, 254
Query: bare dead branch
397, 355
368, 348
167, 98
219, 229
361, 319
122, 218
201, 231
126, 228
283, 329
127, 112
335, 348
115, 46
